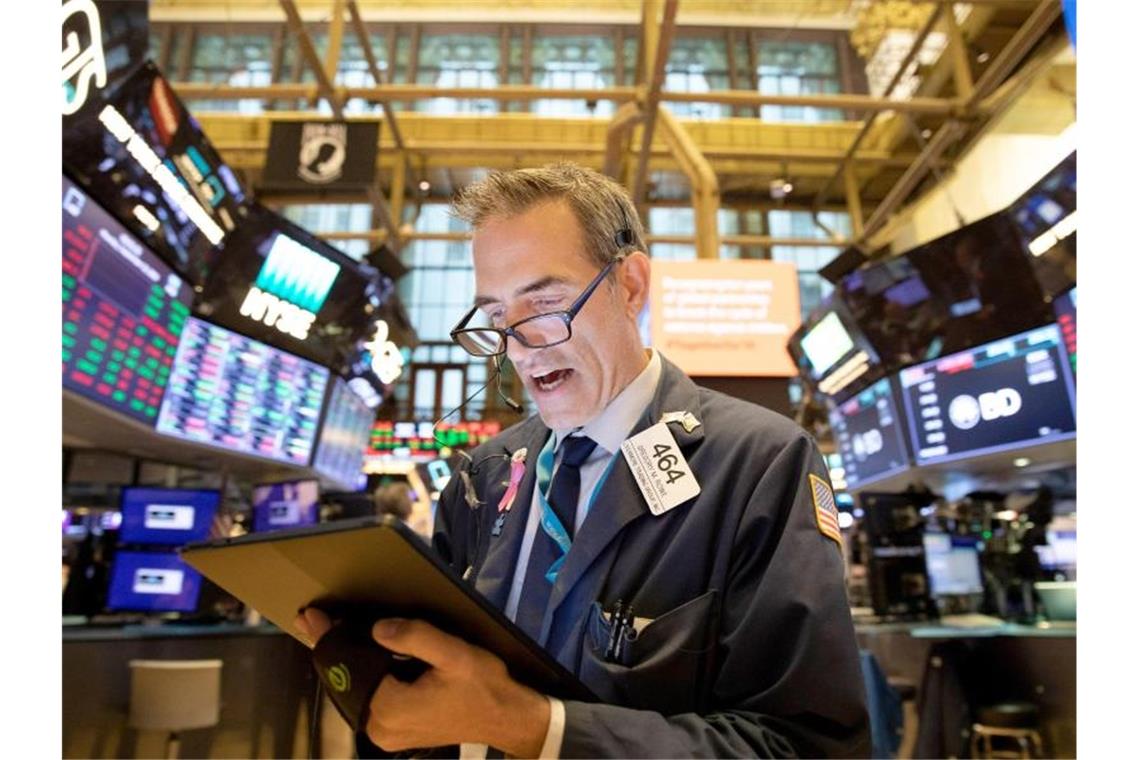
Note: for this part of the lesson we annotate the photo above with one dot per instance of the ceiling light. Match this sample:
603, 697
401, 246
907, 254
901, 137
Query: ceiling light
1021, 462
425, 186
926, 133
983, 57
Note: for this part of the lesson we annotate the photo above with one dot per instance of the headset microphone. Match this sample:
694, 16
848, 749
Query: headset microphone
514, 405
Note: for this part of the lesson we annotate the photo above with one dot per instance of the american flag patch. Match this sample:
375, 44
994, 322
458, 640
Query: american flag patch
826, 514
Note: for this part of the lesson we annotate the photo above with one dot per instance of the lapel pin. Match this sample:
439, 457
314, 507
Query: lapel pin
518, 469
686, 419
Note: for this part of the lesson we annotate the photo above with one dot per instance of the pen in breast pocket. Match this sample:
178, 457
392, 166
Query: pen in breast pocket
615, 631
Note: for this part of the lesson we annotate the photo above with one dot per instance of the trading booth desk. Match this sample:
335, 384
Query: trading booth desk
267, 681
954, 667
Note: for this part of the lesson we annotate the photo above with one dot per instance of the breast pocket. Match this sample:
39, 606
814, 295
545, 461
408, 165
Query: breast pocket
662, 668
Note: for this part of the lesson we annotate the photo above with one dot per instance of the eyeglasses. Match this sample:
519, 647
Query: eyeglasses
539, 331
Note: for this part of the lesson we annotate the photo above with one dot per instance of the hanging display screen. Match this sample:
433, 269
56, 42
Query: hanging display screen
869, 435
344, 436
123, 311
233, 392
290, 289
950, 294
145, 158
1007, 394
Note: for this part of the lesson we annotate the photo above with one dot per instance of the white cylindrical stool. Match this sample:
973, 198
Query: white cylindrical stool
173, 696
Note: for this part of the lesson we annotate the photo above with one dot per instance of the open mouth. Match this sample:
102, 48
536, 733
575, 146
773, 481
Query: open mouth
551, 380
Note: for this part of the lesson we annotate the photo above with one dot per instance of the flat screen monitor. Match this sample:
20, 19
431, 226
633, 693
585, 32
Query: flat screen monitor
1007, 394
152, 582
123, 311
145, 158
344, 436
288, 288
952, 293
869, 434
831, 352
1046, 220
233, 392
1065, 308
169, 516
1059, 551
285, 505
953, 564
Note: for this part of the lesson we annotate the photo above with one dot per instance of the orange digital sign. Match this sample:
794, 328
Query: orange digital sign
725, 318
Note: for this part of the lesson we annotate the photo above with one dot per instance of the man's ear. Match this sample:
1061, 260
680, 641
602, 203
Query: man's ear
633, 278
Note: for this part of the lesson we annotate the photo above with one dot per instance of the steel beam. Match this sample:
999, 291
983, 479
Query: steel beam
1027, 36
381, 235
627, 116
664, 43
324, 84
374, 69
336, 38
412, 92
705, 188
927, 28
854, 203
956, 49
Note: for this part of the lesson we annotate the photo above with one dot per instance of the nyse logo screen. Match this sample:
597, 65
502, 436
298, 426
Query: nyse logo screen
1009, 393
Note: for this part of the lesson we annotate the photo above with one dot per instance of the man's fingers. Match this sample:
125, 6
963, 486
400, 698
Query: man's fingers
420, 640
313, 624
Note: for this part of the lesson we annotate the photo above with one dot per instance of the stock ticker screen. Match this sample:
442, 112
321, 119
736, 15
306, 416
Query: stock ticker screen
123, 311
1009, 393
344, 436
233, 392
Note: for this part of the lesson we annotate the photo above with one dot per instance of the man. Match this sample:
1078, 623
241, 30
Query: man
733, 635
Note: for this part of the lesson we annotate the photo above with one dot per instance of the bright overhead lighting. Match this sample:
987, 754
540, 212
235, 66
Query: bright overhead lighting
425, 186
1021, 462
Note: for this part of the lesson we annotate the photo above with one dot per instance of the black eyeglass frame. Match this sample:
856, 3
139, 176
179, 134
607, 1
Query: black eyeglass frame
510, 331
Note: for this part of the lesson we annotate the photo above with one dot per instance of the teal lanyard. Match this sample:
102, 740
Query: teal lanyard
550, 522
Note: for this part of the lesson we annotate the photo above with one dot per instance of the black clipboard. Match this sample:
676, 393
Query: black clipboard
372, 567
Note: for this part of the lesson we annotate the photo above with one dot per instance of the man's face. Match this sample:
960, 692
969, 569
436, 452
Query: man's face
536, 263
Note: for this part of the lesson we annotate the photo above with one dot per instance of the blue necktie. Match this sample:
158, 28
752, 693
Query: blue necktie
563, 498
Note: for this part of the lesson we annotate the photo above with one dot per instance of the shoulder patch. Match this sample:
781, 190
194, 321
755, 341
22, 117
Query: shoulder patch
826, 514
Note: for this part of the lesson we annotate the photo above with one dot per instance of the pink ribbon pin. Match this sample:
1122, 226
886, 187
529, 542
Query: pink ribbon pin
518, 469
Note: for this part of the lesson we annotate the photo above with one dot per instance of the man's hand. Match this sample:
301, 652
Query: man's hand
465, 696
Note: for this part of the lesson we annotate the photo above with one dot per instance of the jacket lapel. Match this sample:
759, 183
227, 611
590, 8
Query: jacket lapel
620, 502
497, 569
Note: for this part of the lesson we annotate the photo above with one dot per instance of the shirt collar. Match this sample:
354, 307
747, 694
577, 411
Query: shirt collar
610, 428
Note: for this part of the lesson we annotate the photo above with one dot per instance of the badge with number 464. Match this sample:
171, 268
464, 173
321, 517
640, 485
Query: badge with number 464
660, 469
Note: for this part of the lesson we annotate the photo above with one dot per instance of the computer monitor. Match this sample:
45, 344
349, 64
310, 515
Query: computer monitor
233, 392
167, 516
953, 564
285, 505
152, 582
1008, 394
123, 311
869, 435
1060, 551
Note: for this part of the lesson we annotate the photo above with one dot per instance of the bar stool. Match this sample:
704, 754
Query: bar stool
1010, 722
173, 696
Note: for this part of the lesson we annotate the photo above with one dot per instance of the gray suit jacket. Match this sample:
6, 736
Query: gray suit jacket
751, 650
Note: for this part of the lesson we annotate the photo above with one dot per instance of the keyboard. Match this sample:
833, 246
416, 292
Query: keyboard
971, 620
